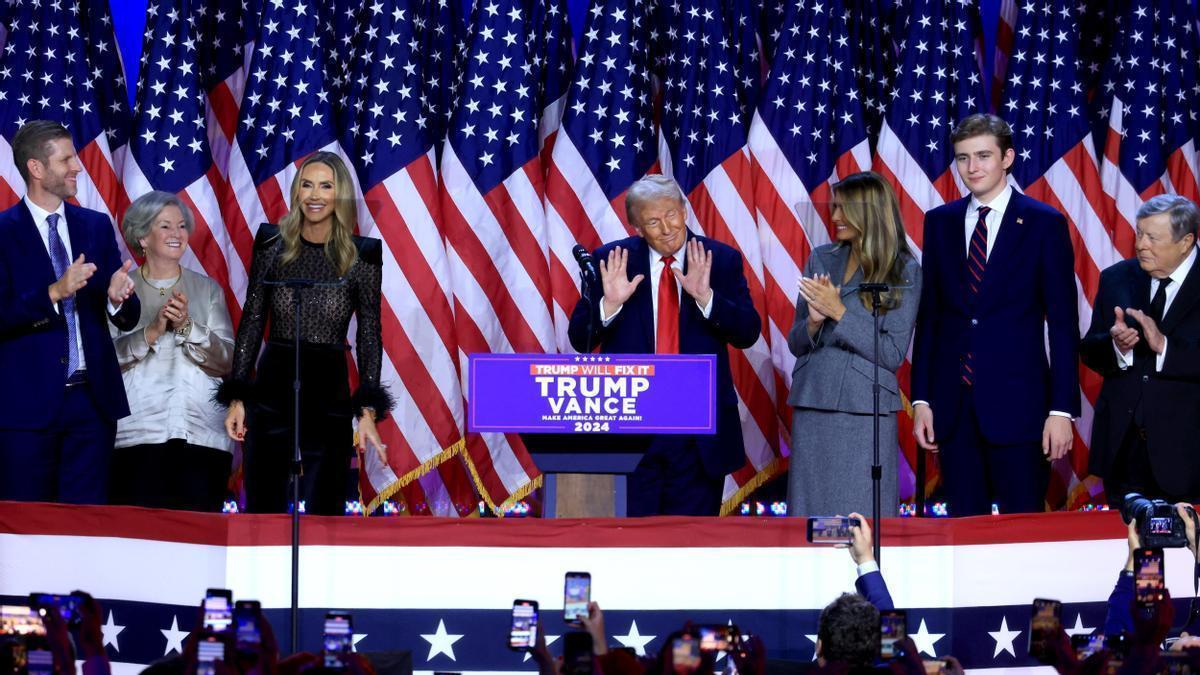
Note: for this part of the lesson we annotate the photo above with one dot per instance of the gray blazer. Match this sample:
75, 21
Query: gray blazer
834, 368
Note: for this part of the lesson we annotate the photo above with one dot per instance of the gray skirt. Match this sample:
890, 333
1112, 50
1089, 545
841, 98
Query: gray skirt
830, 471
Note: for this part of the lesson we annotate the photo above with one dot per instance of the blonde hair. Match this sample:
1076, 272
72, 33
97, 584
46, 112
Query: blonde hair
339, 248
869, 206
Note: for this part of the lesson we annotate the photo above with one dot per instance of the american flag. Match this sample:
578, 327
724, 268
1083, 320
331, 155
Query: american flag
553, 57
702, 144
169, 149
442, 34
870, 24
1045, 102
808, 130
606, 142
390, 141
1149, 96
493, 220
104, 59
45, 74
1005, 37
937, 83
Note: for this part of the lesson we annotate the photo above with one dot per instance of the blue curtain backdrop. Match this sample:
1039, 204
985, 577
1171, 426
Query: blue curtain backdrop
130, 19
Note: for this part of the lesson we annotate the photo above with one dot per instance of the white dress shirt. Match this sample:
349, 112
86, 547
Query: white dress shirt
998, 206
40, 217
1125, 359
656, 268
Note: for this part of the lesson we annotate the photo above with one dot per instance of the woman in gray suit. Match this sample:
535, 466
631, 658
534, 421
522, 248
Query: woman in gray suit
832, 339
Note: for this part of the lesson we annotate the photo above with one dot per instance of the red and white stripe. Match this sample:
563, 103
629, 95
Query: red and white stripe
501, 290
1005, 38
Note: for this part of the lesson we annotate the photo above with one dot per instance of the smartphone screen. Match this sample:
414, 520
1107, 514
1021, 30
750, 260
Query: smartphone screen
523, 633
39, 662
339, 639
685, 654
67, 606
218, 610
714, 638
247, 635
1044, 628
577, 593
830, 530
1086, 645
893, 627
20, 620
209, 649
1148, 581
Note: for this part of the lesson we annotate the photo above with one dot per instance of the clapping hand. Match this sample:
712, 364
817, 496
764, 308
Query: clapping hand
1123, 335
120, 286
176, 309
1154, 337
73, 278
821, 295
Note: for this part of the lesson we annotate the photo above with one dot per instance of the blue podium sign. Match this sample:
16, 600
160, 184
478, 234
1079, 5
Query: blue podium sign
592, 393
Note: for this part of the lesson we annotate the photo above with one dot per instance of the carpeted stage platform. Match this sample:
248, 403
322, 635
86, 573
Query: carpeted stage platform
443, 588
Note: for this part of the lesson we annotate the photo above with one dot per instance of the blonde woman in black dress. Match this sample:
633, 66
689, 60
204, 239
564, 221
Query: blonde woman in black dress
314, 241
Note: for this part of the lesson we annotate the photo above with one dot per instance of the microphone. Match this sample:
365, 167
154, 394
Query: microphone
587, 264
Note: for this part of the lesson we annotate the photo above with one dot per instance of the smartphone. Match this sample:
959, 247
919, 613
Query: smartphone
893, 627
1044, 628
339, 639
825, 530
577, 653
523, 633
685, 654
218, 610
20, 620
209, 648
577, 594
1087, 645
1149, 584
246, 631
716, 638
67, 606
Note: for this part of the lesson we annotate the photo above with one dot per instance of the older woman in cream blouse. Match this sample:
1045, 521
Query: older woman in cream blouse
172, 450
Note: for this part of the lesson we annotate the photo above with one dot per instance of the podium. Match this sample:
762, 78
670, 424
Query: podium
587, 419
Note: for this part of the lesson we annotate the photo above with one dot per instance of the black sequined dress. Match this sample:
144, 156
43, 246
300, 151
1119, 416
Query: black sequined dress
327, 406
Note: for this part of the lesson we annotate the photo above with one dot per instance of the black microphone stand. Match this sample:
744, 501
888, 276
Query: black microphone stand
587, 280
876, 290
295, 467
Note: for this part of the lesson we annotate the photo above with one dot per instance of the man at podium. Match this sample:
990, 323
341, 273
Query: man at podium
669, 291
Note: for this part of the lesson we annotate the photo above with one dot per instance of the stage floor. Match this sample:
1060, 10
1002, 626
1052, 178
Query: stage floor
443, 588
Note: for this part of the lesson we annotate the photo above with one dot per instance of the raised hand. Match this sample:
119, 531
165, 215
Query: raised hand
614, 277
1123, 335
73, 278
696, 281
120, 286
1154, 337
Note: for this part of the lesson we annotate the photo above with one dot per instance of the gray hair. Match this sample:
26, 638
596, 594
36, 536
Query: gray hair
1185, 217
649, 188
144, 210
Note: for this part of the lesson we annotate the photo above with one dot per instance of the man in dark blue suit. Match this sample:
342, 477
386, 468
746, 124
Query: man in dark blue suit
999, 285
61, 282
669, 291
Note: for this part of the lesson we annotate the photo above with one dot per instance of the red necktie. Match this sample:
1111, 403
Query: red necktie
668, 310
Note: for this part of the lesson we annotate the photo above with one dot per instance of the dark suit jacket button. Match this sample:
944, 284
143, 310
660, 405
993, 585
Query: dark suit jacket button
63, 360
1145, 378
974, 322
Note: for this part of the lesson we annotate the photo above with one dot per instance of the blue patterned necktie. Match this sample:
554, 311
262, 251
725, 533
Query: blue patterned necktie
60, 260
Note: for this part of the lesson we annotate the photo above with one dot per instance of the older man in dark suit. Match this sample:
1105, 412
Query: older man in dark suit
669, 291
61, 282
1145, 340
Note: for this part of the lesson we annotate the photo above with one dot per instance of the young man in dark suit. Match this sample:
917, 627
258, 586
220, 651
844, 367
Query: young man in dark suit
999, 285
669, 291
61, 283
1145, 341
